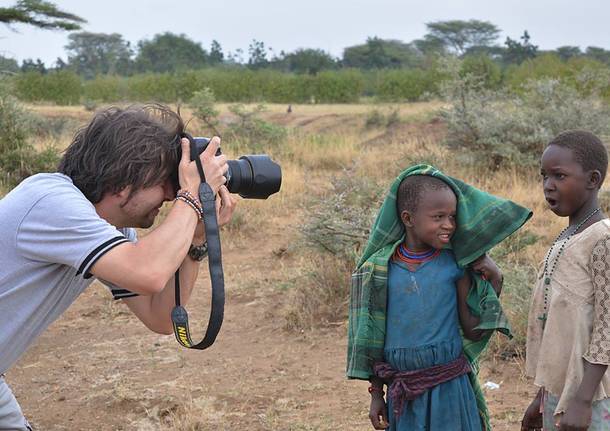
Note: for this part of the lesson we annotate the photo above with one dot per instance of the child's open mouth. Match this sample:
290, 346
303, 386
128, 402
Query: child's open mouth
552, 202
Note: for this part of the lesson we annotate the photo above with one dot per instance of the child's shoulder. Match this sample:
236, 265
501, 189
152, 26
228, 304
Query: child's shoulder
593, 236
596, 232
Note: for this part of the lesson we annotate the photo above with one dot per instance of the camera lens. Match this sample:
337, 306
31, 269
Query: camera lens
254, 176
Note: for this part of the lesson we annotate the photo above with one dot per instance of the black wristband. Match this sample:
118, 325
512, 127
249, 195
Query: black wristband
198, 252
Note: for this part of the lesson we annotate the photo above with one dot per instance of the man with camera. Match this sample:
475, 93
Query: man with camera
60, 231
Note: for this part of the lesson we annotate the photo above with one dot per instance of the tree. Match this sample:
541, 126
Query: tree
567, 52
8, 65
216, 54
458, 36
310, 61
378, 53
517, 52
258, 55
169, 52
91, 54
30, 65
599, 54
40, 14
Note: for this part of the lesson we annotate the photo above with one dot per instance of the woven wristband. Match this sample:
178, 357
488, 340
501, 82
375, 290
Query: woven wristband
198, 211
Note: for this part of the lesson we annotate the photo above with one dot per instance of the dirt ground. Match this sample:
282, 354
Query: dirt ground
98, 368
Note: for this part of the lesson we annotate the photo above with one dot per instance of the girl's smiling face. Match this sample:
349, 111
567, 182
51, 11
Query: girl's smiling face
433, 222
565, 184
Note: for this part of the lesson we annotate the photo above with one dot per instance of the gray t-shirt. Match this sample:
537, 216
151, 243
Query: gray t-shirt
50, 236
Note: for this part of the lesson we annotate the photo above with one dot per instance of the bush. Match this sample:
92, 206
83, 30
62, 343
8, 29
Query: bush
253, 133
405, 85
19, 159
493, 128
336, 229
61, 87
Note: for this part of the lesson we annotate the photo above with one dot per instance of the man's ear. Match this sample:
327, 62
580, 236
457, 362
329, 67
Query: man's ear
594, 181
407, 218
122, 195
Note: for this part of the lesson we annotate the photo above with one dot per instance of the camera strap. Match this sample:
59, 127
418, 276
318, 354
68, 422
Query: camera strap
179, 316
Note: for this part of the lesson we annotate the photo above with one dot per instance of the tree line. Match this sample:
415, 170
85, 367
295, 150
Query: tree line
92, 54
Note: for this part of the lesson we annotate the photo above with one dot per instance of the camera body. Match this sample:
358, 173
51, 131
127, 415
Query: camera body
253, 176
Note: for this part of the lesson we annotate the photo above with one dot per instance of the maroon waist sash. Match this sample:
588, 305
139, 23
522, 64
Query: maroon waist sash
407, 385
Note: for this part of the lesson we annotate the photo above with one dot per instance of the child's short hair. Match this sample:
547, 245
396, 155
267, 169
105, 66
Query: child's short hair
412, 188
589, 151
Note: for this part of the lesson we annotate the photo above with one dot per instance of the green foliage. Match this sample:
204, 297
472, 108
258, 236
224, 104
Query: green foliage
339, 222
405, 84
203, 107
18, 158
92, 54
484, 69
106, 88
257, 55
336, 229
459, 36
169, 52
39, 13
251, 132
309, 61
517, 52
494, 128
379, 54
8, 65
62, 87
519, 277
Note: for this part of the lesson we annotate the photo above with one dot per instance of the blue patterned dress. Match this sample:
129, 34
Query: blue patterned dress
422, 330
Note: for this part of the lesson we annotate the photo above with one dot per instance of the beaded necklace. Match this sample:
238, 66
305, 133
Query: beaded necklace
548, 275
408, 256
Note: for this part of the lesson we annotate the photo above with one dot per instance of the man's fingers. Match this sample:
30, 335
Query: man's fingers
186, 151
212, 147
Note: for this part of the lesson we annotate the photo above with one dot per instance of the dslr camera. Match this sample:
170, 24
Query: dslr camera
253, 176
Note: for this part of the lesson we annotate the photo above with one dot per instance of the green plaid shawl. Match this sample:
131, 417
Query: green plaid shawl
483, 221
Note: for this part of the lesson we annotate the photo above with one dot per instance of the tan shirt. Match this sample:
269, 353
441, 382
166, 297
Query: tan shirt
578, 316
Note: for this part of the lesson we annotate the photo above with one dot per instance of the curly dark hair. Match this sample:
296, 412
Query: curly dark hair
134, 146
588, 150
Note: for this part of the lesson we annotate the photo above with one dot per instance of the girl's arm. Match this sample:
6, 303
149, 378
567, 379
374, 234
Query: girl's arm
488, 269
467, 319
378, 412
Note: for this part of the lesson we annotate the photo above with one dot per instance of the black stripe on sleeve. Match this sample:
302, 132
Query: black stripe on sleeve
97, 253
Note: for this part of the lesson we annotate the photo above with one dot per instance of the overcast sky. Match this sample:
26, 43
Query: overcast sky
330, 25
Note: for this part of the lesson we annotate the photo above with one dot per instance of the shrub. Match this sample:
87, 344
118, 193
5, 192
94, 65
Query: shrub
62, 87
18, 158
253, 133
336, 229
493, 128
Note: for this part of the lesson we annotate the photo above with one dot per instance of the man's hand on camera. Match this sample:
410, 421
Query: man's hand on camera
225, 205
214, 167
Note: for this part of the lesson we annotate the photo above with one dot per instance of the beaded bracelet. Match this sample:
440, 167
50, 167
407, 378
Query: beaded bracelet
193, 202
192, 205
